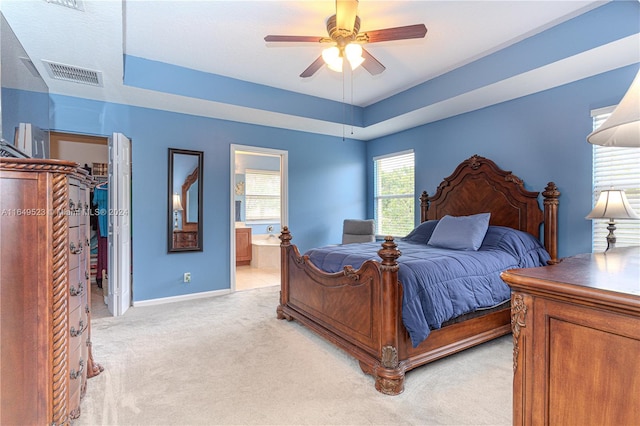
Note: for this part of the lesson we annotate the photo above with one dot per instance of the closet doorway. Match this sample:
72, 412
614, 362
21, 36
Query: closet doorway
95, 153
258, 210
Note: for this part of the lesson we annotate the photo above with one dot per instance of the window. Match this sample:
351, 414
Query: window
262, 195
618, 168
394, 193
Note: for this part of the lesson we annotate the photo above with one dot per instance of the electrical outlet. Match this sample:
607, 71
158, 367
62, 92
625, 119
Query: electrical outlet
187, 277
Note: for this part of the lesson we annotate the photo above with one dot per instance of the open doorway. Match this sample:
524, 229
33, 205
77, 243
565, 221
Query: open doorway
94, 153
258, 211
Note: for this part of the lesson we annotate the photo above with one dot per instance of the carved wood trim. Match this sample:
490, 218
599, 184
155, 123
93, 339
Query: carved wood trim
518, 320
60, 291
351, 273
38, 165
389, 357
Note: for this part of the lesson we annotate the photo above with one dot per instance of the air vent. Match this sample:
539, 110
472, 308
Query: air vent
72, 4
72, 73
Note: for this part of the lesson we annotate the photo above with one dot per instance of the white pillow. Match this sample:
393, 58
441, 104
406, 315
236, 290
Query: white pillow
460, 232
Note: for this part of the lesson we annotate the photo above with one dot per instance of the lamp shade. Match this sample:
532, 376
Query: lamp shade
612, 204
622, 128
332, 58
177, 204
353, 52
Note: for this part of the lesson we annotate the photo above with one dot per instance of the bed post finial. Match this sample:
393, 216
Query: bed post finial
389, 254
551, 202
285, 236
424, 206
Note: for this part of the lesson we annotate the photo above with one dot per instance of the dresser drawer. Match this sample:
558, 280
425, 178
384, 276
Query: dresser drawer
77, 326
74, 206
77, 289
83, 218
77, 377
77, 245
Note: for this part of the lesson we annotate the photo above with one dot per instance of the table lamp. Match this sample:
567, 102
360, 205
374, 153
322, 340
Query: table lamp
612, 204
177, 206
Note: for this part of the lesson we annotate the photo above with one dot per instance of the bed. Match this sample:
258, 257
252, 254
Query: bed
359, 308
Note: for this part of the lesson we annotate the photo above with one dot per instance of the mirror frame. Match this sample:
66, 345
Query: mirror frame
171, 248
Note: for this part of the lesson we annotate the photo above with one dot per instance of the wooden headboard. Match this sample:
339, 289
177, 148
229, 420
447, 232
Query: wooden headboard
478, 185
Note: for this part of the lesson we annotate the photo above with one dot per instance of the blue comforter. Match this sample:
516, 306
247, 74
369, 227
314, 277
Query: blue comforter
441, 284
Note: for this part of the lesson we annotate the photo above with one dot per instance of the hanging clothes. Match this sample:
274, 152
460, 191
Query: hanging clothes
101, 203
101, 207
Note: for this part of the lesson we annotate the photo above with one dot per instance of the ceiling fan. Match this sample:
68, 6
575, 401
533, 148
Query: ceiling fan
347, 40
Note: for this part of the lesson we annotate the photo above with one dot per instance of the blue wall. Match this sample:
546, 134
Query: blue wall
326, 184
23, 106
541, 138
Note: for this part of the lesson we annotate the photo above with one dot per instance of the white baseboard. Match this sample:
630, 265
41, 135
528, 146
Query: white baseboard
181, 298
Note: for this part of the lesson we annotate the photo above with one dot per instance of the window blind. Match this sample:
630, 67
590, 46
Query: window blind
262, 195
394, 194
618, 168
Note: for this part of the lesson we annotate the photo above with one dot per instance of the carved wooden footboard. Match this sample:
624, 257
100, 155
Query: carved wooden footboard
357, 310
360, 310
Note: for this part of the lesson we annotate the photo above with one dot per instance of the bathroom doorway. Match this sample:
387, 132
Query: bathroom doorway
258, 211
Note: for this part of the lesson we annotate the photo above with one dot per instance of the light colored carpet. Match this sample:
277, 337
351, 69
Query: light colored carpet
228, 360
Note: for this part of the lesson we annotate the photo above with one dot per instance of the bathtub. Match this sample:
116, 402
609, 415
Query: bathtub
265, 251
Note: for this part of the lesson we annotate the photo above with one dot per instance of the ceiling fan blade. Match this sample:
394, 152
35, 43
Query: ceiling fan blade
371, 64
398, 33
346, 11
313, 68
288, 38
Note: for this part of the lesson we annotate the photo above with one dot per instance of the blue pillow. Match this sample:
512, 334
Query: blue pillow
422, 232
460, 232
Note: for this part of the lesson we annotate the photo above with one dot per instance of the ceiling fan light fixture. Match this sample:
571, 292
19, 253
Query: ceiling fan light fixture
353, 53
332, 58
344, 33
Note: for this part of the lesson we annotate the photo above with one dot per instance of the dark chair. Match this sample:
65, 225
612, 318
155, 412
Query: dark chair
358, 231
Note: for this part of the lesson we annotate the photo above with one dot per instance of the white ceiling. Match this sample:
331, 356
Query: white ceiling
226, 38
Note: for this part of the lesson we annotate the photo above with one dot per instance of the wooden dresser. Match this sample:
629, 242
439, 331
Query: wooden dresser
44, 291
244, 251
576, 336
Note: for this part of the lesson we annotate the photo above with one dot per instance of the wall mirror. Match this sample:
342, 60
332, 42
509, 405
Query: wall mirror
184, 198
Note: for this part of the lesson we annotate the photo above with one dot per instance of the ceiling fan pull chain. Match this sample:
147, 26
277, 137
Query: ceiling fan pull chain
351, 102
344, 111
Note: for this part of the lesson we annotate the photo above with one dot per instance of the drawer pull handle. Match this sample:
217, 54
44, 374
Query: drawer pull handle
75, 250
75, 374
77, 292
75, 333
86, 308
72, 205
